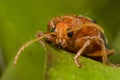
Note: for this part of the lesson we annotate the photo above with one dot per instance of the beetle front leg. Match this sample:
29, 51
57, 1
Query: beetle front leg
76, 57
39, 34
49, 38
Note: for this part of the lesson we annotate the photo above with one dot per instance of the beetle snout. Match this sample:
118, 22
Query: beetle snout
59, 45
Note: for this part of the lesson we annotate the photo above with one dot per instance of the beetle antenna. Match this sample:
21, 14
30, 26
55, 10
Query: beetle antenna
28, 44
87, 24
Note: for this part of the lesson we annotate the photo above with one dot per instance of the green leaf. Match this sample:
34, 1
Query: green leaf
61, 66
30, 65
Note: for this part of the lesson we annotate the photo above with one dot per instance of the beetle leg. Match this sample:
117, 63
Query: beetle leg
76, 57
104, 56
39, 34
49, 38
103, 50
50, 24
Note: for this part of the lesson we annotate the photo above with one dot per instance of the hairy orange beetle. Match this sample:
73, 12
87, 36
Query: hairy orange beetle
77, 34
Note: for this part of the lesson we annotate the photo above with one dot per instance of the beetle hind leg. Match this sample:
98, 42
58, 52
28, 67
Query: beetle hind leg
76, 57
104, 56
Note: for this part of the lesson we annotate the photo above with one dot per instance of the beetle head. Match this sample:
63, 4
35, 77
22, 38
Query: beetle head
61, 33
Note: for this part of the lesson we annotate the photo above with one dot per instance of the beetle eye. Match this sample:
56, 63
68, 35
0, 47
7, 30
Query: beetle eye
53, 29
70, 34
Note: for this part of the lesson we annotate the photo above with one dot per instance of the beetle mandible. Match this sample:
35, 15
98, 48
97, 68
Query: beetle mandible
78, 34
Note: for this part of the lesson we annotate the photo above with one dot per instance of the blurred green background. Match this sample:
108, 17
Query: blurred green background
21, 19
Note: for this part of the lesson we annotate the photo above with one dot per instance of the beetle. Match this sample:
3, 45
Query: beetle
78, 34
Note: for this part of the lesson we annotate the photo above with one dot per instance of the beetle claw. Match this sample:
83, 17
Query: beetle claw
113, 65
78, 64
